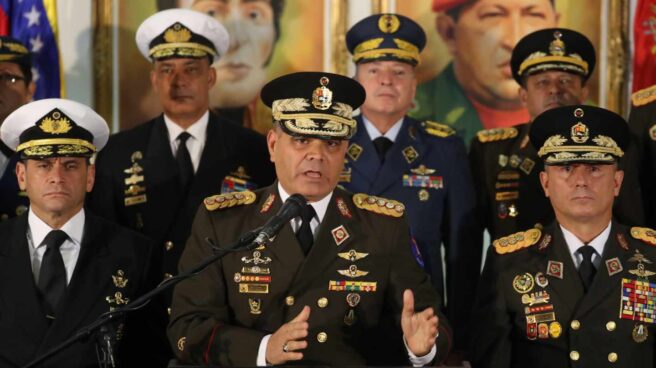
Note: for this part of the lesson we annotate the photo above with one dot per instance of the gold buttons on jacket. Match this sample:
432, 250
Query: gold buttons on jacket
612, 357
322, 337
574, 355
610, 326
575, 324
289, 300
168, 245
322, 302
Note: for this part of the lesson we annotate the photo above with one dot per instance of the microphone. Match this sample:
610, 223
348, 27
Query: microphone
290, 209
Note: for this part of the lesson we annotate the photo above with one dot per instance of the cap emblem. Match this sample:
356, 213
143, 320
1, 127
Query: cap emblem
55, 124
578, 113
580, 133
389, 23
322, 97
557, 46
177, 33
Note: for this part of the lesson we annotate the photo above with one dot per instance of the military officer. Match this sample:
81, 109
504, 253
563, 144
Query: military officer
552, 67
16, 89
337, 286
580, 292
61, 267
642, 123
421, 164
153, 177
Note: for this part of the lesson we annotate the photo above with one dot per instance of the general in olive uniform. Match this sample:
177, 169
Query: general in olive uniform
642, 123
552, 67
61, 267
421, 164
153, 177
580, 292
16, 89
347, 257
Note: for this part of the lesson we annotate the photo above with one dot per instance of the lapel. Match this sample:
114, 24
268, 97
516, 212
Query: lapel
569, 288
603, 284
83, 292
367, 164
18, 281
395, 162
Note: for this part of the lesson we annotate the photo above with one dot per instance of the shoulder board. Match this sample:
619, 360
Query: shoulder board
496, 134
437, 129
517, 241
644, 96
227, 200
645, 234
379, 205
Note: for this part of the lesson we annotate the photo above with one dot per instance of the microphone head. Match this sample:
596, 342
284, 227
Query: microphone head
298, 200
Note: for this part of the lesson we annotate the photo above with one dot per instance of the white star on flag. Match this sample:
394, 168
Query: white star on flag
36, 43
35, 75
32, 16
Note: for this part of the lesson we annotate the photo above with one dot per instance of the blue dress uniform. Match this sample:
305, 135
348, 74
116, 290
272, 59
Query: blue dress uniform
425, 168
13, 201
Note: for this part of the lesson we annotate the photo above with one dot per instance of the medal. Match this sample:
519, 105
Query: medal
639, 333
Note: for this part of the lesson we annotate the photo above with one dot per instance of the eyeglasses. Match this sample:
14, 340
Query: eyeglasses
10, 79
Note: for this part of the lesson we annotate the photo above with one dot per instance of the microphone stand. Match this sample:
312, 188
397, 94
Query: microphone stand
102, 323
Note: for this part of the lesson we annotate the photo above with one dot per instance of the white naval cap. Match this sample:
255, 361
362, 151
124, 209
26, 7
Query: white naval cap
54, 127
181, 33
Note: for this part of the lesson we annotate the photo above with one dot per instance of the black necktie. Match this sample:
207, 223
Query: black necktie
184, 160
587, 269
304, 233
382, 144
52, 276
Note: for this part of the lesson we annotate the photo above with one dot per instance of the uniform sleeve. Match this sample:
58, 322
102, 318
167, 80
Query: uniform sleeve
406, 274
101, 199
463, 244
492, 325
200, 329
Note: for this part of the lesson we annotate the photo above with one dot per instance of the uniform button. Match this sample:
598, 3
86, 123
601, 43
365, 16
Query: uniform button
322, 337
168, 310
612, 357
322, 302
610, 326
289, 300
168, 245
574, 355
167, 276
575, 325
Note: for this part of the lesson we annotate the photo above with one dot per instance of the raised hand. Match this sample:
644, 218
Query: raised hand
285, 343
419, 329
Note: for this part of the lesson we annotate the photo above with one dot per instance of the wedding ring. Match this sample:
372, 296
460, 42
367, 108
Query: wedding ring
285, 347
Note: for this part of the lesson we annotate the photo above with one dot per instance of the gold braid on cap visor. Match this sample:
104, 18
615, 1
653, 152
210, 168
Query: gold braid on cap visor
56, 141
554, 60
168, 49
605, 145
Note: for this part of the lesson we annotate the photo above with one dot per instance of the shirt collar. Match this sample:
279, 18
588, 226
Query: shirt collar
197, 130
319, 206
74, 228
574, 243
374, 133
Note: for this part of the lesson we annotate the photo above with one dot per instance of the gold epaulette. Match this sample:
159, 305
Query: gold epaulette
437, 129
517, 241
496, 134
645, 234
644, 96
227, 200
379, 205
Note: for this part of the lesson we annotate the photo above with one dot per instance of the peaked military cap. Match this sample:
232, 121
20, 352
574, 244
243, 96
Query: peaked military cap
553, 49
386, 37
446, 5
12, 50
53, 128
579, 133
314, 104
181, 33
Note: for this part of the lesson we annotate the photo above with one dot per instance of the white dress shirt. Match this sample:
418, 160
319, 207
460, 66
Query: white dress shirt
574, 243
70, 248
374, 133
320, 208
195, 143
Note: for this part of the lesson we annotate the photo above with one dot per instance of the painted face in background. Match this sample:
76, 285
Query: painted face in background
241, 71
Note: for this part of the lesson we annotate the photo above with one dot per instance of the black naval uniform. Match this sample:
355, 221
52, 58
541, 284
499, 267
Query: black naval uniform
13, 201
221, 315
506, 174
138, 185
113, 267
642, 123
532, 311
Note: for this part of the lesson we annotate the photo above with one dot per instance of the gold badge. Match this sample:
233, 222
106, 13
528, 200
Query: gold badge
118, 299
527, 165
641, 271
557, 46
177, 33
255, 305
181, 343
503, 160
354, 151
423, 195
422, 170
322, 97
538, 297
410, 154
254, 288
120, 280
580, 133
353, 272
353, 299
388, 23
352, 255
512, 210
340, 235
555, 329
541, 280
640, 333
55, 124
523, 283
256, 259
515, 161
